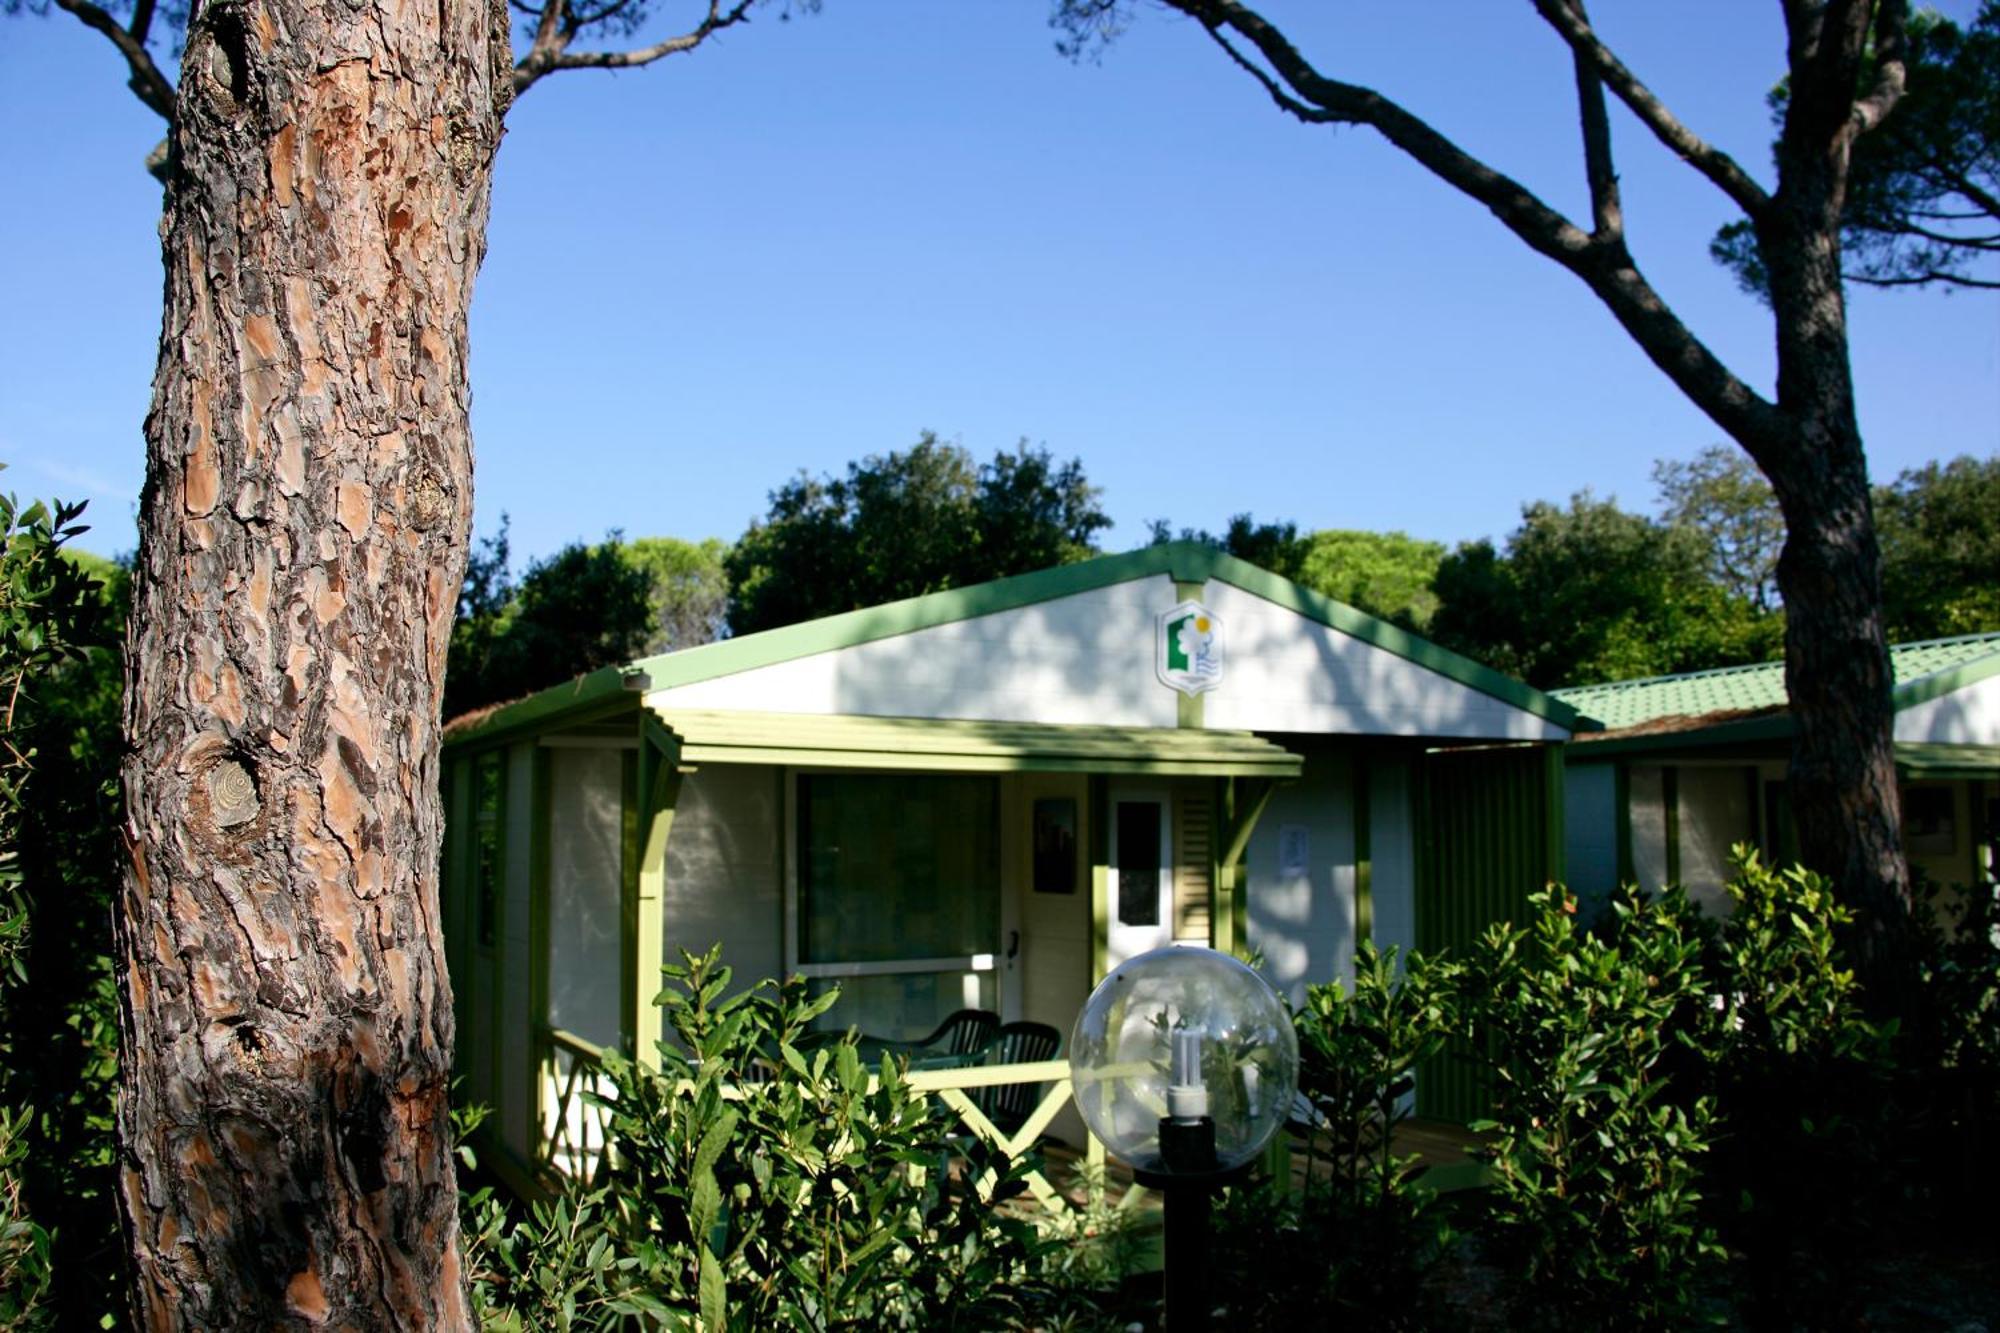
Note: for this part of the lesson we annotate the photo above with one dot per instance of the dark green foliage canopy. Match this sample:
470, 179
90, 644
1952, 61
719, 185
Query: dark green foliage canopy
1592, 593
1923, 196
907, 523
582, 608
1940, 532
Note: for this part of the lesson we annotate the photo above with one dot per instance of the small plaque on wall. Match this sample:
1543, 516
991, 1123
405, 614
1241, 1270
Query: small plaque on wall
1055, 845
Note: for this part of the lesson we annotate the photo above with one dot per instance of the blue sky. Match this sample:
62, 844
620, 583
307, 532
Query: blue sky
811, 240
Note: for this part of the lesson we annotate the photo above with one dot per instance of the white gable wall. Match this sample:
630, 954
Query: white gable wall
1283, 672
1088, 659
1970, 716
1080, 660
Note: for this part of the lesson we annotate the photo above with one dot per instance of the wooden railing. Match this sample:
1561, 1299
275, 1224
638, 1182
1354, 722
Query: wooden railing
575, 1130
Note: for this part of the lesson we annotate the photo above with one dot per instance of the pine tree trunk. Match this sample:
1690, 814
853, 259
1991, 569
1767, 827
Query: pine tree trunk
1842, 778
287, 1026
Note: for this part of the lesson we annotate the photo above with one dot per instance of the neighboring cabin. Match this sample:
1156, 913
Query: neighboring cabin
984, 797
1688, 765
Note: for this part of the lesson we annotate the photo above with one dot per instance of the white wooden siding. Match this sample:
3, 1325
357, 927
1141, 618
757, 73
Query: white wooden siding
725, 872
586, 803
1303, 925
1283, 672
1085, 659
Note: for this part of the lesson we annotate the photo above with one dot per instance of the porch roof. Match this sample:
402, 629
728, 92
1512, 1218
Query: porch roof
932, 745
1927, 759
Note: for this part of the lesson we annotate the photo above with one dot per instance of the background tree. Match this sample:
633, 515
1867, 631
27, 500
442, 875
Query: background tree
284, 1107
582, 608
906, 523
1923, 193
1941, 549
1846, 66
1721, 497
690, 589
1386, 574
1593, 593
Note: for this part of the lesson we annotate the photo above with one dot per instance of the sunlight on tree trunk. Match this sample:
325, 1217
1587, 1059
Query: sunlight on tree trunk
288, 1028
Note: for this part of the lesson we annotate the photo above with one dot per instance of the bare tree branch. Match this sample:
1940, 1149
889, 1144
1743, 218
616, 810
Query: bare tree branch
1607, 213
142, 21
539, 62
147, 83
1568, 19
1928, 275
1604, 267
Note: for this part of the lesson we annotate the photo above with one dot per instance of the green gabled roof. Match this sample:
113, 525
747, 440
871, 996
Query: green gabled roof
1923, 671
1186, 562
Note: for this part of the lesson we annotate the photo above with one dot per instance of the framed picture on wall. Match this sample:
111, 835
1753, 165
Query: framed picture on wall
1055, 845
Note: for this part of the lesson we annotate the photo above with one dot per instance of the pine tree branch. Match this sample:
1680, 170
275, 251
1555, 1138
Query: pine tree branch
1606, 210
543, 60
1568, 19
147, 83
1604, 267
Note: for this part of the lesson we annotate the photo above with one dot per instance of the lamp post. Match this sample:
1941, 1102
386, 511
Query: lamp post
1184, 1064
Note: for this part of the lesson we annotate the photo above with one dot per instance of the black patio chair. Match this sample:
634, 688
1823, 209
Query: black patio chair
966, 1033
1009, 1105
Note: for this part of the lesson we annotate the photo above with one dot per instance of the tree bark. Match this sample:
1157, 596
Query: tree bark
287, 1023
1845, 800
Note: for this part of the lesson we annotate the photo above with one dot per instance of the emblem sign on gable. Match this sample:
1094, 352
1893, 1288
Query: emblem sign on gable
1188, 649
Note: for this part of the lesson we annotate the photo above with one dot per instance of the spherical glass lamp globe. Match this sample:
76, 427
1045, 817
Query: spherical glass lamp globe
1180, 1035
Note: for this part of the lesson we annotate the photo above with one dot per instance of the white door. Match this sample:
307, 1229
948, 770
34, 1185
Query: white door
1050, 954
1142, 873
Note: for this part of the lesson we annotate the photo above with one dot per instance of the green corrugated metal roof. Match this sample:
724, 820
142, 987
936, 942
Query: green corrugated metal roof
845, 741
1922, 670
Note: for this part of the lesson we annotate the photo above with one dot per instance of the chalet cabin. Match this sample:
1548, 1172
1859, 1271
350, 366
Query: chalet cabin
982, 798
1686, 766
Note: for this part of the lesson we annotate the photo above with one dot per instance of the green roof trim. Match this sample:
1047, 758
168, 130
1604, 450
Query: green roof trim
601, 692
812, 740
1181, 562
1923, 671
1933, 759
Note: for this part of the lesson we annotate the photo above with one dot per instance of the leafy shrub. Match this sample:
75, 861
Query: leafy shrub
818, 1199
1594, 1204
47, 603
1803, 1080
1357, 1240
1948, 1054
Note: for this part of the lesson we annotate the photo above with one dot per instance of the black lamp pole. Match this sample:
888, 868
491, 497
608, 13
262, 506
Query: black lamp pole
1187, 1179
